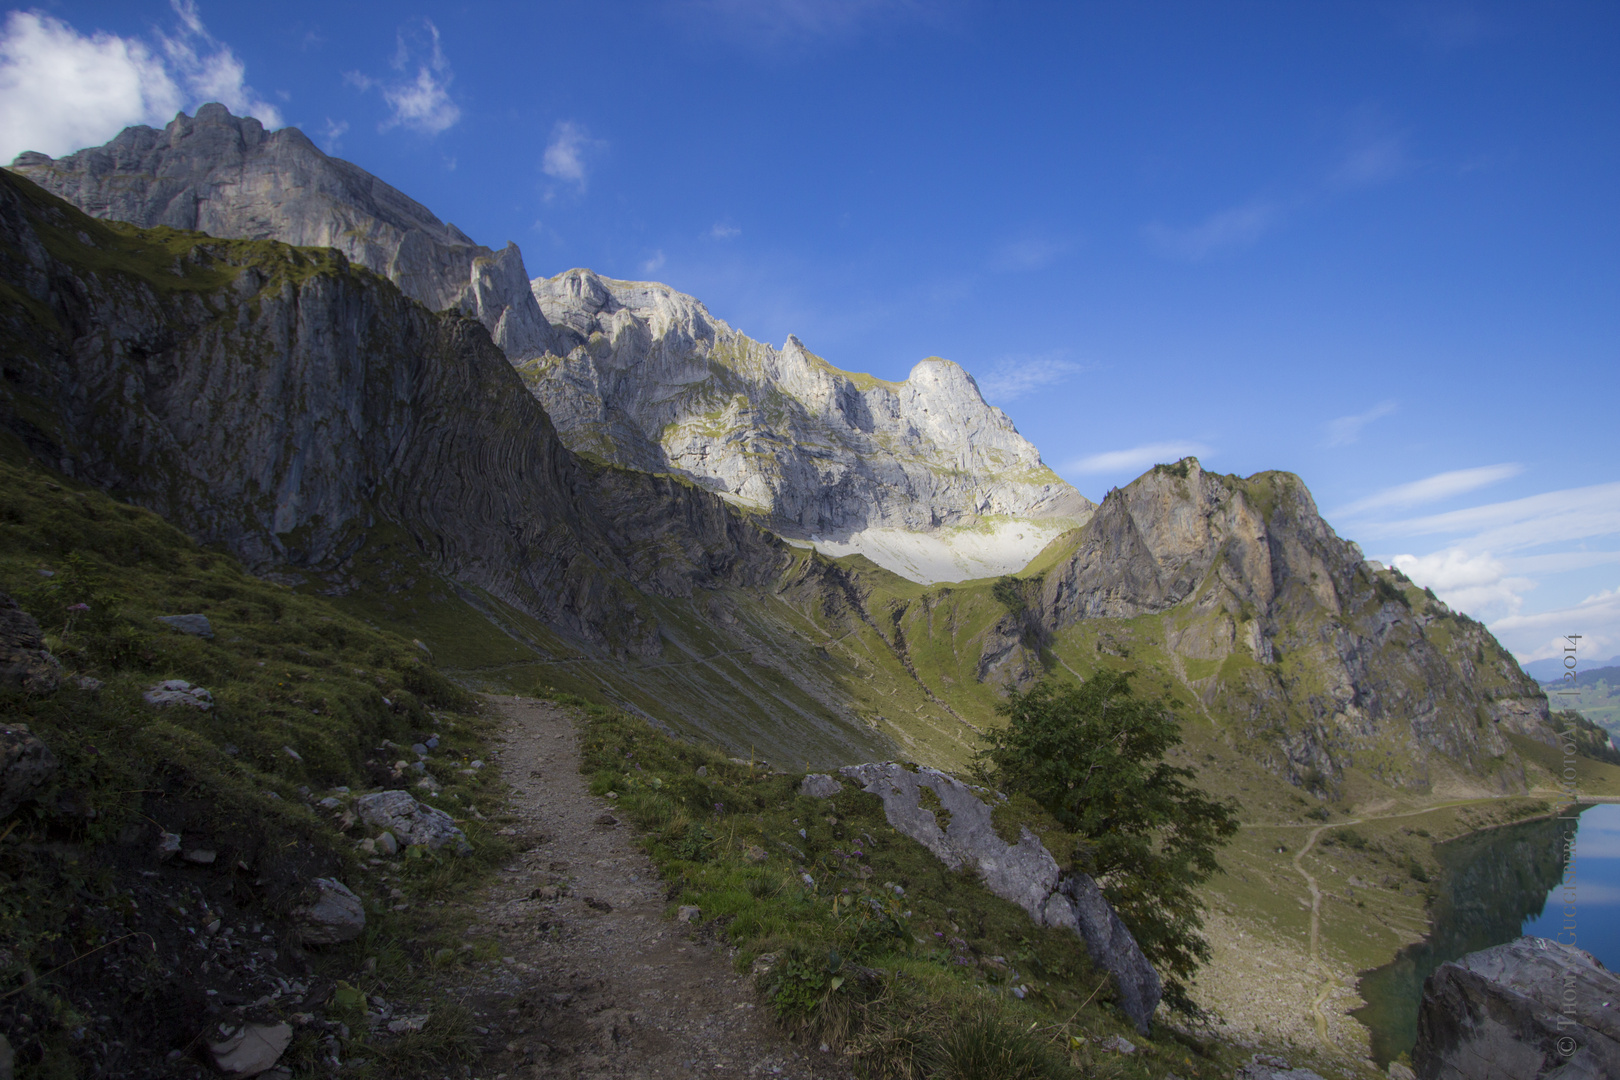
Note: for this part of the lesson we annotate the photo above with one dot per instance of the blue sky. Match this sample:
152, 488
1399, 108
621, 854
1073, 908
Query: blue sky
1374, 244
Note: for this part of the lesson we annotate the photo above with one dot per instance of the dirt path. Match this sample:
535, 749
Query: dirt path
594, 980
1329, 982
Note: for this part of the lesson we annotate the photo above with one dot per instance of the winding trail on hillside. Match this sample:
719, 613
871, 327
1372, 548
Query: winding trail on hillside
595, 981
1328, 984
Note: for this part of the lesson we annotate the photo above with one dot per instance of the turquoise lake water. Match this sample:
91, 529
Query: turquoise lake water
1497, 886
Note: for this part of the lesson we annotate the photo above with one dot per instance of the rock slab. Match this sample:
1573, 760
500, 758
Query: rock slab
1025, 872
172, 692
410, 821
1532, 1009
336, 916
252, 1049
195, 625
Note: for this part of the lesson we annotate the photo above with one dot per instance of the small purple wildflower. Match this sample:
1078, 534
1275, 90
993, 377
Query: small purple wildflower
78, 607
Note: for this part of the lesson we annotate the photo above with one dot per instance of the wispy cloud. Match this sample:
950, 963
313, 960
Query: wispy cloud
1565, 516
421, 102
1028, 253
1013, 377
1236, 227
778, 22
61, 90
564, 158
1432, 489
722, 231
332, 134
653, 263
1137, 458
1374, 152
1347, 429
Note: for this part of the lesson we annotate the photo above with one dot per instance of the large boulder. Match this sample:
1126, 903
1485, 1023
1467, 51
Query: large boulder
25, 663
26, 766
1532, 1009
410, 821
1025, 872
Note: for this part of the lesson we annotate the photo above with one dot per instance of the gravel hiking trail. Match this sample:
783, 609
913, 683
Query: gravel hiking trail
594, 979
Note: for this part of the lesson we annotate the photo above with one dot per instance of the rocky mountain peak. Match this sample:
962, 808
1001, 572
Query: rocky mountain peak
923, 476
227, 176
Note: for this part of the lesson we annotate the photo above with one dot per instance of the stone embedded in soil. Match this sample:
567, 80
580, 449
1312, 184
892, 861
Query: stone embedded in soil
337, 915
26, 766
251, 1050
819, 786
1267, 1067
173, 692
411, 821
386, 844
195, 625
689, 913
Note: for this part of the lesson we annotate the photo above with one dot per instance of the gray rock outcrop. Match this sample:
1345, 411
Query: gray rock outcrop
410, 821
25, 663
1024, 873
1250, 581
226, 176
335, 915
1271, 1067
647, 377
1532, 1009
26, 766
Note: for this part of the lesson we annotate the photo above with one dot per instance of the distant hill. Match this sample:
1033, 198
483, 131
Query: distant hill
1552, 668
1598, 699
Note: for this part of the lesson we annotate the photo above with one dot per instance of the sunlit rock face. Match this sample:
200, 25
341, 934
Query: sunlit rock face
923, 476
227, 176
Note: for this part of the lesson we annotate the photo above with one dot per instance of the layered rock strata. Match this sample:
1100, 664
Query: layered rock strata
227, 176
1024, 873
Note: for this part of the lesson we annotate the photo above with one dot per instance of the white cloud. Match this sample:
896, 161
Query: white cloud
1137, 458
1432, 488
1239, 226
61, 90
1375, 152
1014, 377
722, 231
422, 103
1347, 429
654, 263
1541, 634
564, 158
1476, 583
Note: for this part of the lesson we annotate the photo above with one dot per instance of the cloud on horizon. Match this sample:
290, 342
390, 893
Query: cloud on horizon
1476, 583
1432, 488
1596, 619
1564, 516
1137, 458
61, 90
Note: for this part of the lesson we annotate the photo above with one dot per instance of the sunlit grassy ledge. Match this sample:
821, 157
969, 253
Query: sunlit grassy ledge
857, 937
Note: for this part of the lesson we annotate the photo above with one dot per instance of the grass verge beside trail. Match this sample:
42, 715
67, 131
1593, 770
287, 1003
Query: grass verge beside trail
858, 938
117, 959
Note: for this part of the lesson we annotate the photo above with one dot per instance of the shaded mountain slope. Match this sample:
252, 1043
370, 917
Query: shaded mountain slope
228, 177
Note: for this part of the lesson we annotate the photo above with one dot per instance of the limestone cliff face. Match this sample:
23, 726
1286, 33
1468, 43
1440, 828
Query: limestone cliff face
283, 403
228, 177
645, 376
1271, 618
